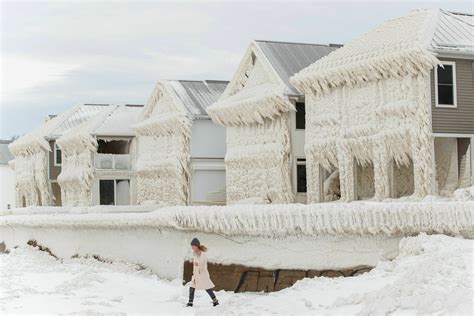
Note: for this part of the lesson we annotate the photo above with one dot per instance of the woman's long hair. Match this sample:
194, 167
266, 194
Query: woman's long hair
202, 248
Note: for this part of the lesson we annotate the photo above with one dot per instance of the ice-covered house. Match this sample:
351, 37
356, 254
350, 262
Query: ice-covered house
265, 135
180, 151
37, 158
7, 177
392, 112
98, 158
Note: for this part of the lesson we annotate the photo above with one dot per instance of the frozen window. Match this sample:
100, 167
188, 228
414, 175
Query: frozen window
114, 192
445, 81
122, 196
300, 115
107, 192
301, 177
57, 155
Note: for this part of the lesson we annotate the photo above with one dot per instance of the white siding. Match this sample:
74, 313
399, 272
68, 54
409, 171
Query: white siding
208, 176
7, 187
208, 140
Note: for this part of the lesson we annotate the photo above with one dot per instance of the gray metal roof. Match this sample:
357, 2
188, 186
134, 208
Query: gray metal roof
198, 95
454, 32
5, 154
289, 58
78, 115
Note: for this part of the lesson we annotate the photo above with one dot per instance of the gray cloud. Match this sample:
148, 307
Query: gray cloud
120, 49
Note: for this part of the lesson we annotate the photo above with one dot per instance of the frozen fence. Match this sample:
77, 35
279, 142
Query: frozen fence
327, 219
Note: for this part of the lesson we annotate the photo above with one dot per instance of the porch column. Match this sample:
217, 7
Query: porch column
422, 141
314, 183
346, 172
382, 171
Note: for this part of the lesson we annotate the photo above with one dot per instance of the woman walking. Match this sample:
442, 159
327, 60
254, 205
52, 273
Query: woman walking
200, 279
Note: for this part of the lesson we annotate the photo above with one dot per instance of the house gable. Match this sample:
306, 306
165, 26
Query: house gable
162, 101
255, 94
254, 70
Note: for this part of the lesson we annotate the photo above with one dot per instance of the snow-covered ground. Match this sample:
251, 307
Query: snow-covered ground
432, 274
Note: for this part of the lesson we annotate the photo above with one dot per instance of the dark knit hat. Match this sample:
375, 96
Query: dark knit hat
195, 242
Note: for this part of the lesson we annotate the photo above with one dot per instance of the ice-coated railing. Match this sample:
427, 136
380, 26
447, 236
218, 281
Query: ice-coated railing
113, 161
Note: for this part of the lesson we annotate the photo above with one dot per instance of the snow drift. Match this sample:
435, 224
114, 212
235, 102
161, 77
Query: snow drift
432, 275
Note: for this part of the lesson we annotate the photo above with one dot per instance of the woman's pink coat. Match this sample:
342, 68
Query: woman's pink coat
201, 279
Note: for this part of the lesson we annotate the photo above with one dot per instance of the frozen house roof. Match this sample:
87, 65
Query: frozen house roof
76, 117
178, 103
397, 47
196, 96
118, 121
110, 120
103, 119
288, 58
5, 154
53, 128
261, 85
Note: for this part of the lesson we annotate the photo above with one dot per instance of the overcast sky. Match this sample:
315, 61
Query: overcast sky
58, 54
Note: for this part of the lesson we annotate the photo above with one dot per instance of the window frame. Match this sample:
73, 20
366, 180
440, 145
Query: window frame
455, 98
55, 162
115, 180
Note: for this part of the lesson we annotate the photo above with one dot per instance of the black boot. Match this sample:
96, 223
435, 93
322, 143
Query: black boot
191, 297
215, 302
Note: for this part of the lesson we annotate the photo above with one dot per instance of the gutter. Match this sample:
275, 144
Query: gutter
452, 53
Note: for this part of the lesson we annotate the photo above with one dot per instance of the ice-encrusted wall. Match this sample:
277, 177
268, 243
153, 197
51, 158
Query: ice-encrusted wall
378, 123
162, 169
255, 111
77, 172
31, 171
258, 161
369, 102
163, 150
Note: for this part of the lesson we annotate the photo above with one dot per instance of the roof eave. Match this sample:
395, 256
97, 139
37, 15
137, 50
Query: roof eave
451, 53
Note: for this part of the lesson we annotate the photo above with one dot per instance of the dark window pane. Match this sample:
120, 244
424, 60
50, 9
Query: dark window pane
115, 147
301, 178
445, 75
58, 156
300, 115
106, 191
445, 94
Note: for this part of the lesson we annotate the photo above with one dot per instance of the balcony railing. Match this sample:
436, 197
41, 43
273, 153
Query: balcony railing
113, 162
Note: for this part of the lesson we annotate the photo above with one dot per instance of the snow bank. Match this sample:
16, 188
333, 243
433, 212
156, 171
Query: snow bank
328, 219
432, 275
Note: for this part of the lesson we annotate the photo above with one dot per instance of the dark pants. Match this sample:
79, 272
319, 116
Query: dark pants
192, 290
